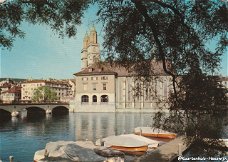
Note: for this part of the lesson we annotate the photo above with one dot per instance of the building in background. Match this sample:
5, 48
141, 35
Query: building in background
10, 91
12, 95
95, 89
6, 84
61, 88
71, 90
6, 80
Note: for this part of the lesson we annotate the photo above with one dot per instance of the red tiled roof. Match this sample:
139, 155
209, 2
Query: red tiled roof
96, 69
14, 89
6, 85
156, 68
117, 69
46, 81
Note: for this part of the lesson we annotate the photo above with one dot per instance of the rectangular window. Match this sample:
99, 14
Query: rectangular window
104, 78
94, 86
84, 78
94, 78
147, 94
85, 87
104, 86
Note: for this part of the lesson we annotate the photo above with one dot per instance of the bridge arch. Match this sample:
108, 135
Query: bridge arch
60, 110
4, 115
35, 111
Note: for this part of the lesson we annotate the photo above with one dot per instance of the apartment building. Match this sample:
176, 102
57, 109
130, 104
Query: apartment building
61, 88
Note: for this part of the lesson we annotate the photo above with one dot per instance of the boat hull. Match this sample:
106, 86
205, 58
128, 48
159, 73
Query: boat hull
131, 150
157, 135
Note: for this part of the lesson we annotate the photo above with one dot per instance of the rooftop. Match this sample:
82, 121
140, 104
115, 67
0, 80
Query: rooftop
6, 85
14, 89
45, 81
107, 68
96, 69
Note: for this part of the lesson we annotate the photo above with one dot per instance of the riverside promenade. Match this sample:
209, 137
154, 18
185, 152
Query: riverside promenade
166, 152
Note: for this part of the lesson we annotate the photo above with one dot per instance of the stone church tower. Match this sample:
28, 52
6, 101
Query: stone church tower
90, 52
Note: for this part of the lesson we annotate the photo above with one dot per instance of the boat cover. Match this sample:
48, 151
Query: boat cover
151, 130
129, 140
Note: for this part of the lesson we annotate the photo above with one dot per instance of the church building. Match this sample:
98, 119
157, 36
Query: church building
102, 87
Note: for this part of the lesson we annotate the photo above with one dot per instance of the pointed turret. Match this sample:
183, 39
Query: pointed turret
84, 53
86, 40
93, 28
93, 35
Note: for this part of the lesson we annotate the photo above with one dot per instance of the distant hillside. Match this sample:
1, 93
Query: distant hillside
14, 79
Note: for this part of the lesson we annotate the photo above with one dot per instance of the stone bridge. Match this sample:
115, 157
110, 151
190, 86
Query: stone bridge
48, 108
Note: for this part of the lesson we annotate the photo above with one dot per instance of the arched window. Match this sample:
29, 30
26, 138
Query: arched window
104, 98
94, 98
85, 98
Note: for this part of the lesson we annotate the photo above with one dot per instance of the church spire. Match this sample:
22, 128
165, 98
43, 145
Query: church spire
90, 53
86, 40
93, 29
93, 35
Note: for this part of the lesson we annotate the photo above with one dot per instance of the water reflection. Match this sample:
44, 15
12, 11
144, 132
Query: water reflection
92, 126
14, 120
21, 137
5, 116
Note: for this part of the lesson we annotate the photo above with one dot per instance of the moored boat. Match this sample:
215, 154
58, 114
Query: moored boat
154, 132
130, 143
140, 150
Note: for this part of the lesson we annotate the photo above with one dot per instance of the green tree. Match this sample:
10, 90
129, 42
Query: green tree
177, 34
61, 16
37, 95
172, 32
44, 94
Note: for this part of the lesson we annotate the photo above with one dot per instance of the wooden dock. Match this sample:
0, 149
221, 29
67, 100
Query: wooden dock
166, 152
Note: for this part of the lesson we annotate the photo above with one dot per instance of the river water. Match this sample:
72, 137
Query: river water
23, 137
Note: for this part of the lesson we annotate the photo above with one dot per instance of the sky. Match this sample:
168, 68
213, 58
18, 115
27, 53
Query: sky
42, 54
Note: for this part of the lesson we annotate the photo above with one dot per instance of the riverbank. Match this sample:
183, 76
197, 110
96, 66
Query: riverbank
166, 152
85, 151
